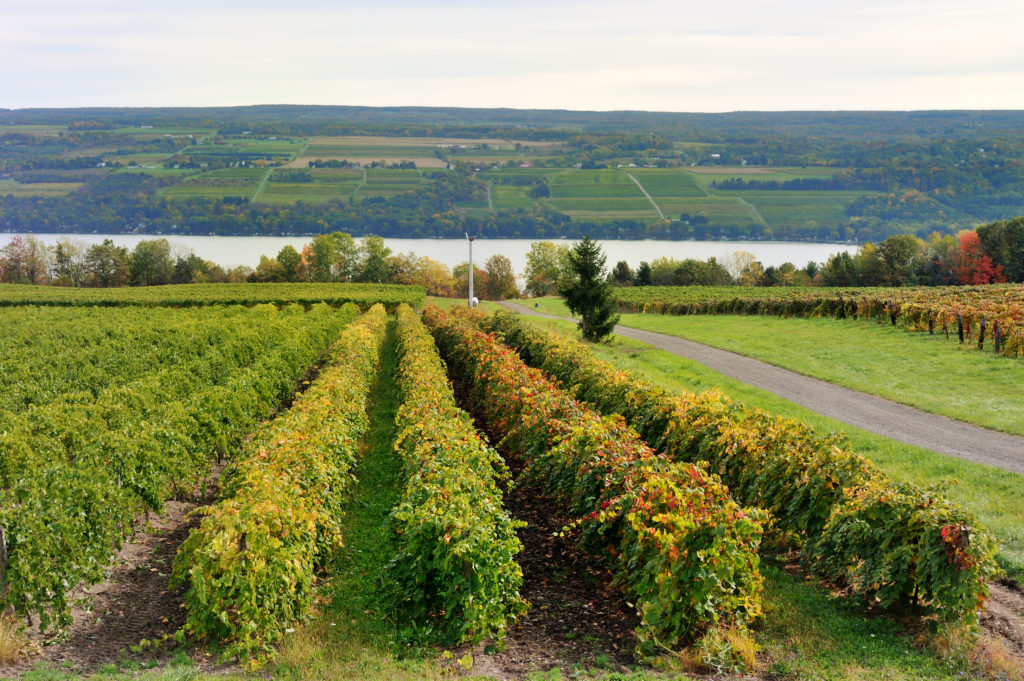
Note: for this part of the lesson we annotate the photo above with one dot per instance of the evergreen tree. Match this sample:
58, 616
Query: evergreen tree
588, 293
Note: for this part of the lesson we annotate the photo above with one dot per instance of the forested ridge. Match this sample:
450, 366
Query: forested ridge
841, 176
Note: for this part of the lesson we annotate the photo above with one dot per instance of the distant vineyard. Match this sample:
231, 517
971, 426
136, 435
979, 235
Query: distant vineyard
972, 313
196, 295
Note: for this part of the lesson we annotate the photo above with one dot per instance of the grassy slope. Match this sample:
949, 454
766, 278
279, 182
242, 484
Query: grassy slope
992, 494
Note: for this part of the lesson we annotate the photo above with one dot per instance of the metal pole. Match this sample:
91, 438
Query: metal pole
470, 239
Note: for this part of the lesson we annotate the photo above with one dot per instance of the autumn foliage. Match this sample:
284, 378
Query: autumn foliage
684, 552
888, 542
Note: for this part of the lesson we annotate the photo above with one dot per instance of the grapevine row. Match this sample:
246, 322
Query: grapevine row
684, 552
50, 352
250, 564
976, 310
892, 543
195, 295
76, 472
457, 544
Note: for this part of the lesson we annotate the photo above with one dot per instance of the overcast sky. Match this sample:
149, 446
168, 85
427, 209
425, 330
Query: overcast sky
638, 54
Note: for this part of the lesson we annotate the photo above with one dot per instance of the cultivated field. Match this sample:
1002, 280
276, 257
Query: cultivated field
365, 528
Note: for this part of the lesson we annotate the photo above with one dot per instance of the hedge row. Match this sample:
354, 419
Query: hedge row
932, 308
892, 543
250, 564
195, 295
77, 471
455, 567
684, 552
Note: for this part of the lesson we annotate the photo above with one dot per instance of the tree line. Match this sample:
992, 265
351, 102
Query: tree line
993, 253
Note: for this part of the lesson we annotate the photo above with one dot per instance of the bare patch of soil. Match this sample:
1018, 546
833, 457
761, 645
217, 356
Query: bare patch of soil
1004, 617
575, 616
133, 603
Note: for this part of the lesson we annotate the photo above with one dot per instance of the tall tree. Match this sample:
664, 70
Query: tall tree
547, 267
622, 274
375, 260
107, 264
151, 263
501, 280
588, 294
290, 260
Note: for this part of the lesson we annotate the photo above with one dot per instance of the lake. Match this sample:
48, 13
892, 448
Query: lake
232, 251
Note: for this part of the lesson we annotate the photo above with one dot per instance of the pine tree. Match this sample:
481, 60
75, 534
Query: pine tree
588, 294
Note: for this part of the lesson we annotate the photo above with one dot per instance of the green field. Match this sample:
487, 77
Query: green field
235, 182
309, 192
667, 183
43, 189
423, 151
610, 194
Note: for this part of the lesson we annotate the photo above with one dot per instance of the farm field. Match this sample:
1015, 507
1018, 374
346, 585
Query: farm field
14, 188
235, 182
197, 295
388, 489
611, 194
420, 150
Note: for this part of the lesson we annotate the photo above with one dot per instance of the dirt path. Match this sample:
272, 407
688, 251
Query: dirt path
657, 208
874, 414
263, 183
754, 212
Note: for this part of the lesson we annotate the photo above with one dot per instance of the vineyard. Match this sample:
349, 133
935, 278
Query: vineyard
197, 295
967, 313
120, 401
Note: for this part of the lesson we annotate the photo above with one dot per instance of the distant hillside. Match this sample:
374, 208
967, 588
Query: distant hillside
420, 171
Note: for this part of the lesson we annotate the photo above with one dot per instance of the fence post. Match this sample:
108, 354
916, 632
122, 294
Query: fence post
931, 326
3, 560
997, 337
960, 327
981, 335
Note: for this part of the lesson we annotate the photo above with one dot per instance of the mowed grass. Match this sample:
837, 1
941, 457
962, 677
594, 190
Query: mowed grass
927, 372
666, 183
308, 192
705, 175
41, 189
992, 494
717, 209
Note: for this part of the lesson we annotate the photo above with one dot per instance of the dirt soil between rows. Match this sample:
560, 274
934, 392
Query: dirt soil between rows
133, 603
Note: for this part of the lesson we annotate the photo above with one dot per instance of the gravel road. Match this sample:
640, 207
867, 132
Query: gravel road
892, 420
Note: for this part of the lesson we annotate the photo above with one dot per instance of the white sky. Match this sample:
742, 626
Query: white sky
644, 54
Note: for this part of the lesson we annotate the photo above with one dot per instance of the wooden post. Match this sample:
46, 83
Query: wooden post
960, 327
981, 335
3, 555
998, 337
931, 326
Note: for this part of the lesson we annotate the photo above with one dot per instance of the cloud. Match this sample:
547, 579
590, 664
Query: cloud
649, 54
